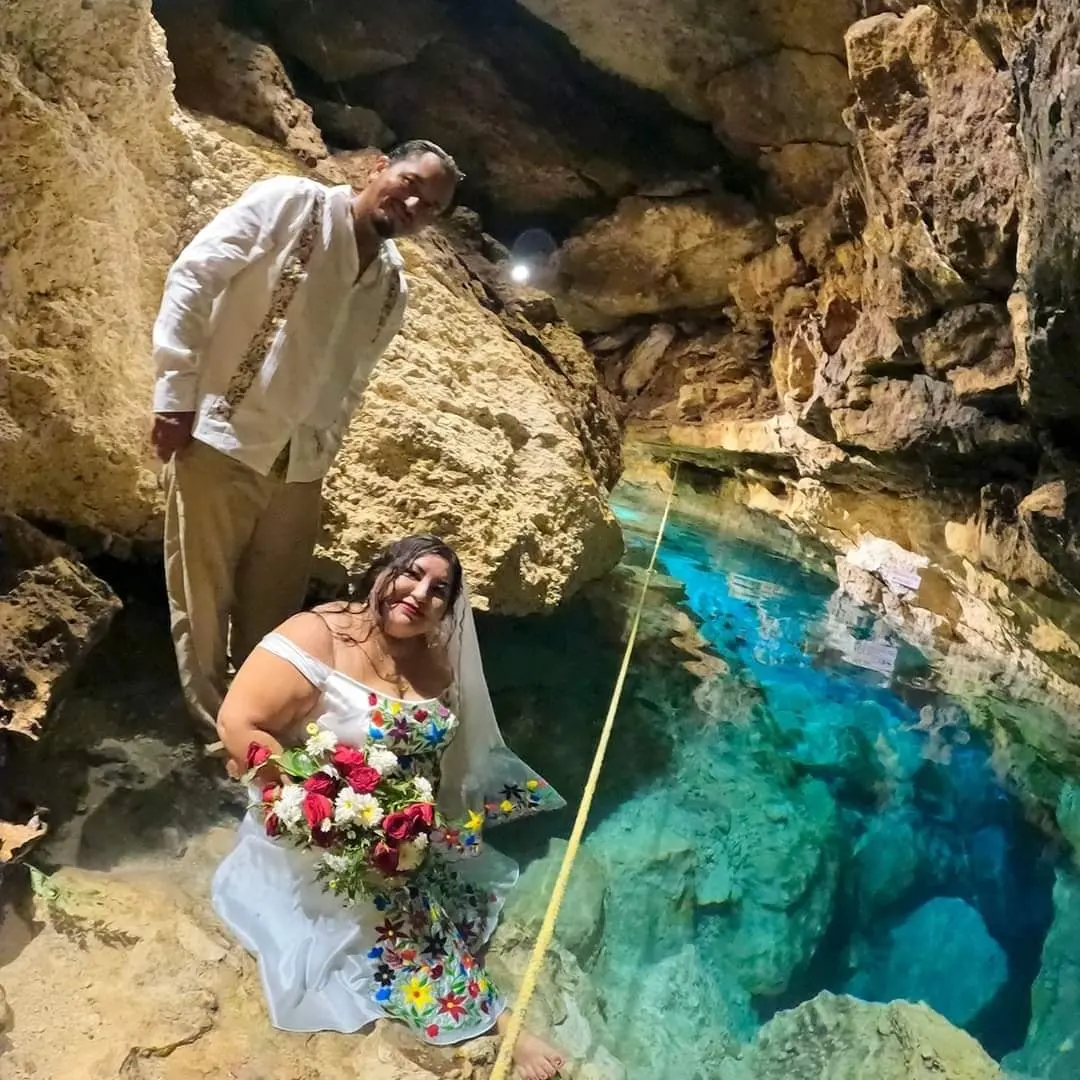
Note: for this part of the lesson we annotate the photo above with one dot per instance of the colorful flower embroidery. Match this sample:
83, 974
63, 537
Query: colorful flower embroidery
430, 978
423, 967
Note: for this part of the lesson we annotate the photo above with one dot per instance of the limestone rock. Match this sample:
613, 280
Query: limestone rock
458, 413
761, 282
646, 355
98, 192
1068, 815
972, 347
941, 955
347, 41
222, 72
1046, 305
655, 255
885, 865
713, 374
917, 416
839, 1038
807, 173
538, 131
938, 157
566, 1008
679, 1019
53, 610
768, 76
1052, 1049
352, 127
787, 97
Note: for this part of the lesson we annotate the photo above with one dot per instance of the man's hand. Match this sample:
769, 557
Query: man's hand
171, 432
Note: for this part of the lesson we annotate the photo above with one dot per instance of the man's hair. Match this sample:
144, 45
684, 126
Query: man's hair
418, 147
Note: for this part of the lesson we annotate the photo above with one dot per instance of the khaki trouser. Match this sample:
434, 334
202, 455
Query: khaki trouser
238, 546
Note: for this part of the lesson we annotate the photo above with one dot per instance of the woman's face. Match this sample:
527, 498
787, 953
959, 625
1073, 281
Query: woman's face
417, 597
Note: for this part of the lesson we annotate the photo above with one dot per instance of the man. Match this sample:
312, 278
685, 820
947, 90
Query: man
272, 319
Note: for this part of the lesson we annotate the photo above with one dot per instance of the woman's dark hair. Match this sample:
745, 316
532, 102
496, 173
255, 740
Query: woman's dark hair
373, 585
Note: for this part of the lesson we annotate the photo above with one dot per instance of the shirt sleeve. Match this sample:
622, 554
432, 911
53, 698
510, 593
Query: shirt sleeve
235, 238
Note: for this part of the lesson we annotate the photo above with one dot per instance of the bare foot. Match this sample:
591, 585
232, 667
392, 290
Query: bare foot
535, 1059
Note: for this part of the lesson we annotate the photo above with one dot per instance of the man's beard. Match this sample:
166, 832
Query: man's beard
384, 226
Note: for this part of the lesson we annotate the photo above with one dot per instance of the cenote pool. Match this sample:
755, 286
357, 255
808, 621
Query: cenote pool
789, 806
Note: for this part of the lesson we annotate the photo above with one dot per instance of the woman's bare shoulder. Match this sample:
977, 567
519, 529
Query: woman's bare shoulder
313, 631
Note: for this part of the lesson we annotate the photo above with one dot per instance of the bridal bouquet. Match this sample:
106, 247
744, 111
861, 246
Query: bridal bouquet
371, 820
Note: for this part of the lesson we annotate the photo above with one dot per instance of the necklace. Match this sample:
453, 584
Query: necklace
394, 677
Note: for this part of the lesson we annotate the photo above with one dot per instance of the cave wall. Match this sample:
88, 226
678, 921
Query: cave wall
484, 423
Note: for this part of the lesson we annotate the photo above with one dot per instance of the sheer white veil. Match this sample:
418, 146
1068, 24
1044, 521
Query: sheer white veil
478, 734
478, 766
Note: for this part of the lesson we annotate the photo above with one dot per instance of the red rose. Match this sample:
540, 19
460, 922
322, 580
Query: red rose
397, 826
347, 757
270, 793
384, 857
257, 755
421, 817
273, 825
363, 779
317, 809
321, 784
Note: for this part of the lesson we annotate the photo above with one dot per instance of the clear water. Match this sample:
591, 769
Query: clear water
806, 814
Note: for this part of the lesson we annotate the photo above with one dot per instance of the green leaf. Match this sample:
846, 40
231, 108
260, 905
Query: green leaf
298, 763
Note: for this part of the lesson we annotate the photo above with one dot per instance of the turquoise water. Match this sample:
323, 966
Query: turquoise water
801, 811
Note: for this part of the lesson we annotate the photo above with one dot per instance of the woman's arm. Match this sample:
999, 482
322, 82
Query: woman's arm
269, 696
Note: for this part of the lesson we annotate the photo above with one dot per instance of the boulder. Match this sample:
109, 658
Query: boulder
655, 255
942, 955
839, 1038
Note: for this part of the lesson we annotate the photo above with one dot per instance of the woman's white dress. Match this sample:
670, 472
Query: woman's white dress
412, 954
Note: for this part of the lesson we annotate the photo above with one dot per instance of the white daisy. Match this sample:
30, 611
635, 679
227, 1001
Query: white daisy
290, 805
337, 863
383, 761
350, 808
423, 786
420, 841
321, 742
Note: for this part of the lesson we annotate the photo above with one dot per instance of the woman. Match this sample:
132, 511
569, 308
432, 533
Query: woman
398, 667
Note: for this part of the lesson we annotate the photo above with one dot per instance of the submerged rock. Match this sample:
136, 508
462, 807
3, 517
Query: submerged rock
580, 928
839, 1038
1052, 1049
942, 955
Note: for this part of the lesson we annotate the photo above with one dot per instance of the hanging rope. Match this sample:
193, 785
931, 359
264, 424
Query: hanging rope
504, 1061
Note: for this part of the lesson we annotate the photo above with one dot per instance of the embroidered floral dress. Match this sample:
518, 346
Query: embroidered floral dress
411, 954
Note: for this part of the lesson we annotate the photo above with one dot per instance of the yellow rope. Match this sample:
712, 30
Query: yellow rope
504, 1062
